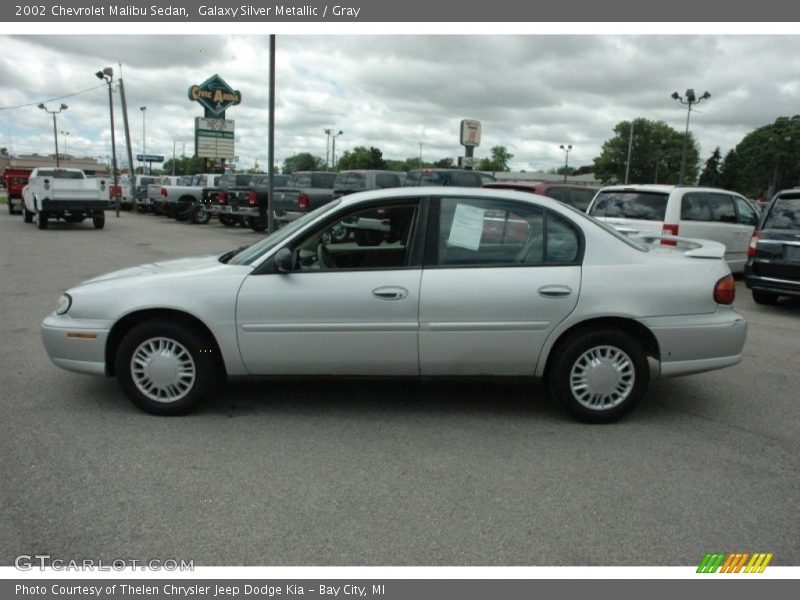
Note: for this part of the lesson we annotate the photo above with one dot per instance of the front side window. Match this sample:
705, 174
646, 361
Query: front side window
481, 232
378, 237
747, 214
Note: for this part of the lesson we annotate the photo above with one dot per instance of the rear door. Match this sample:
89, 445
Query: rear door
778, 248
499, 276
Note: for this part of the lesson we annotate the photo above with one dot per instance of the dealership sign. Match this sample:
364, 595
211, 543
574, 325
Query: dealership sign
470, 133
215, 95
214, 138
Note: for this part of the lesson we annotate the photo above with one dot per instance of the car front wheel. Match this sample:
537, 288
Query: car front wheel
762, 297
599, 376
167, 368
27, 215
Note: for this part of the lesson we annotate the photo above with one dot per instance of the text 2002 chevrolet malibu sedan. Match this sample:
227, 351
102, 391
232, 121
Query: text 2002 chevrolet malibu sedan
413, 282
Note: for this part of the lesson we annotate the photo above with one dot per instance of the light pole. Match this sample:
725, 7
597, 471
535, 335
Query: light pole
690, 99
107, 75
567, 149
55, 129
328, 133
65, 134
144, 139
333, 147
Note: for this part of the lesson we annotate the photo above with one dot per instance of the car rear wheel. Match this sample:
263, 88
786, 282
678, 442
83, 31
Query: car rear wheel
199, 215
762, 297
27, 215
227, 220
599, 376
99, 222
167, 368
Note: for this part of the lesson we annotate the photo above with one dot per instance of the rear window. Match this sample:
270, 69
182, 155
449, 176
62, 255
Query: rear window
466, 179
386, 180
350, 181
643, 206
784, 214
416, 178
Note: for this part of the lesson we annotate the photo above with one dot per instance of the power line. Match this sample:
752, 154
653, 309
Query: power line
36, 103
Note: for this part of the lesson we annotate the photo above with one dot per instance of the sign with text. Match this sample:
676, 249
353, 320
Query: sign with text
214, 138
470, 133
215, 95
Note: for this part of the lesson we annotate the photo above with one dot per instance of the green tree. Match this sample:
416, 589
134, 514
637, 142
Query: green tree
729, 171
184, 165
3, 151
711, 175
655, 154
303, 161
444, 163
362, 157
497, 161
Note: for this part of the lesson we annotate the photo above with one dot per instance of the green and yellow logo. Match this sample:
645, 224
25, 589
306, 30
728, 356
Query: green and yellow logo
734, 562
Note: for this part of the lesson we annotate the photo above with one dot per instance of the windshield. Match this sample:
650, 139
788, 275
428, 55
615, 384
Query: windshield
251, 253
784, 214
625, 204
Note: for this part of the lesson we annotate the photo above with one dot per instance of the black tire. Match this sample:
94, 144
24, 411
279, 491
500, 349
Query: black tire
762, 297
27, 215
171, 343
99, 222
571, 362
199, 215
41, 221
227, 220
10, 206
258, 224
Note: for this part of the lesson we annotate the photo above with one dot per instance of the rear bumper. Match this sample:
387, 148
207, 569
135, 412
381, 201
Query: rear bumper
697, 343
74, 206
788, 287
75, 344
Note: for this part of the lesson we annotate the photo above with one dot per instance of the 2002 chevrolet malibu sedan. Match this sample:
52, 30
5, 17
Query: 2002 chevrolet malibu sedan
414, 282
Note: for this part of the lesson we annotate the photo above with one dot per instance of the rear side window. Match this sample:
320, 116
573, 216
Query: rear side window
385, 180
696, 207
645, 206
747, 214
722, 208
484, 232
784, 213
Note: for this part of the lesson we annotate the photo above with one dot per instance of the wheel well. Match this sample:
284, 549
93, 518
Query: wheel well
128, 322
633, 328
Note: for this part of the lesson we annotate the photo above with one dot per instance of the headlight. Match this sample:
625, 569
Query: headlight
63, 304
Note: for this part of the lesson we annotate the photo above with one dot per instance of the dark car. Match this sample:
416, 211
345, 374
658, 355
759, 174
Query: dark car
350, 182
578, 196
773, 258
448, 177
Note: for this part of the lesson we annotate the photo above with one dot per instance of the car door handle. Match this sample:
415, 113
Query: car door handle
390, 292
555, 291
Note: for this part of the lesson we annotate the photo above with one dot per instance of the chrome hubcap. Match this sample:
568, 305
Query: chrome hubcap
163, 370
602, 378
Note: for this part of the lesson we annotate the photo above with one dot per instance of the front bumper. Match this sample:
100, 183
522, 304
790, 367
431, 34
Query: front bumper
698, 343
76, 344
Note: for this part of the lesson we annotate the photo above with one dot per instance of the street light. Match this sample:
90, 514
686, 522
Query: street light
65, 134
55, 129
107, 75
333, 147
328, 133
567, 149
690, 99
144, 138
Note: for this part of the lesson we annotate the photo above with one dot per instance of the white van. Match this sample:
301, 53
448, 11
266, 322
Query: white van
691, 212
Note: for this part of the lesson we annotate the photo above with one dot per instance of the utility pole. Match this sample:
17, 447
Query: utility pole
630, 147
131, 178
271, 141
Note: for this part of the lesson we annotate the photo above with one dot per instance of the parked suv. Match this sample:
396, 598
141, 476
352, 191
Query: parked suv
449, 177
692, 212
773, 258
578, 196
349, 182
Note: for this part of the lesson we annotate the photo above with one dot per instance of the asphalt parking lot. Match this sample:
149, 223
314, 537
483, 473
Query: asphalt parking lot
329, 472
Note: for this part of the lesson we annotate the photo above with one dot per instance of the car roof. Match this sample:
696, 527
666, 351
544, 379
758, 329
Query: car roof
511, 184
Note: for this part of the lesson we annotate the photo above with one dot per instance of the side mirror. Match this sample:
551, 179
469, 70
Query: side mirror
284, 260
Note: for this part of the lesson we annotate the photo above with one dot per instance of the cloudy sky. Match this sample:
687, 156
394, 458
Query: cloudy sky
531, 93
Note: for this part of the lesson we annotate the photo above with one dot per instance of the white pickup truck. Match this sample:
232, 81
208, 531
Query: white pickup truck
66, 194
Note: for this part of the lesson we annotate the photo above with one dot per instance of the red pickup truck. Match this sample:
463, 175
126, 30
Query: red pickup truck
15, 180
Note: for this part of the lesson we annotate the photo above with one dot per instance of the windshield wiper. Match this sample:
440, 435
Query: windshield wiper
230, 254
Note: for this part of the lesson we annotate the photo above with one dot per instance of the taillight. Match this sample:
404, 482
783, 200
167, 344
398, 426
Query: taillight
751, 249
252, 198
164, 192
222, 198
725, 290
303, 201
669, 229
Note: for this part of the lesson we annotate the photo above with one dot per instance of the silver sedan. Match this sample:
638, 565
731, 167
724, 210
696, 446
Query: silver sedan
413, 282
